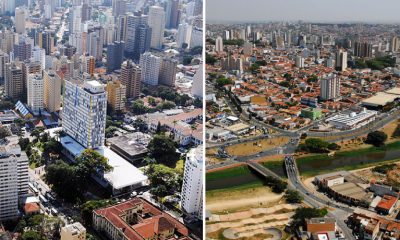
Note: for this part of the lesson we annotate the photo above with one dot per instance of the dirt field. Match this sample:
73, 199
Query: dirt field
230, 200
254, 147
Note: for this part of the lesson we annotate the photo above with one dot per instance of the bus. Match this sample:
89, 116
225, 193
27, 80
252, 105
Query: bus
43, 200
54, 211
33, 189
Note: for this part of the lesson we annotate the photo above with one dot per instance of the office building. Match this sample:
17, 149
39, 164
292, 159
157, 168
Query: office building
39, 55
157, 24
22, 49
168, 71
14, 178
119, 7
52, 91
116, 96
35, 93
197, 86
14, 82
138, 35
192, 187
84, 112
20, 20
219, 46
8, 6
173, 13
150, 65
115, 56
131, 77
330, 87
184, 35
45, 40
74, 231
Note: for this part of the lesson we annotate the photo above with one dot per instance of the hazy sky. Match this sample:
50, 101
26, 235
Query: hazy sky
307, 10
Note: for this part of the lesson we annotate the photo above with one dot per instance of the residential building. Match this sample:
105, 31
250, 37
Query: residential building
197, 85
84, 112
74, 231
150, 65
137, 219
299, 62
116, 95
20, 20
192, 187
330, 87
138, 35
184, 34
14, 178
22, 49
168, 71
363, 49
35, 93
341, 60
219, 45
52, 91
14, 82
131, 77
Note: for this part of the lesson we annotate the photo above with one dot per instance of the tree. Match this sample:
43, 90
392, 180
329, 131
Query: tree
163, 149
376, 138
164, 180
314, 145
4, 132
210, 59
52, 146
87, 208
222, 81
306, 213
31, 235
293, 196
89, 163
333, 146
23, 143
138, 107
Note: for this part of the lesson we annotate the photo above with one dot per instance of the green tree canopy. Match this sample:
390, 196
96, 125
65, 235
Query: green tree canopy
163, 150
376, 138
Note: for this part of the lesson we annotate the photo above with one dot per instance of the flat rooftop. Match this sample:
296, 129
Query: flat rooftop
133, 143
123, 174
350, 190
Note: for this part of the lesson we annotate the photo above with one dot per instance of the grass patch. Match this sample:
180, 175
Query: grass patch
212, 193
180, 164
227, 173
275, 166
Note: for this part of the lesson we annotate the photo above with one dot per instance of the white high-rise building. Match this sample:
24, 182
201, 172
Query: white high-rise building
197, 86
299, 61
84, 112
35, 92
20, 20
196, 38
330, 87
8, 6
14, 180
150, 65
184, 34
39, 55
4, 58
219, 46
157, 23
341, 60
192, 187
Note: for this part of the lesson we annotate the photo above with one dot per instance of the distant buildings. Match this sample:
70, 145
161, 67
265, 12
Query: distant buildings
232, 64
35, 93
145, 222
219, 46
116, 95
192, 187
352, 120
363, 49
19, 20
14, 178
330, 87
115, 55
157, 24
84, 112
74, 231
299, 62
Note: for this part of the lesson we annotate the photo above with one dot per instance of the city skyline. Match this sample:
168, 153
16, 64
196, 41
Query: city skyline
254, 11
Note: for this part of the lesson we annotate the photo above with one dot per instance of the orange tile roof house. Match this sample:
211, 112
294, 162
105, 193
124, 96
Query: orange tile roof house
387, 204
137, 219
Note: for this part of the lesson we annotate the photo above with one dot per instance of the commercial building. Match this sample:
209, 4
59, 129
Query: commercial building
74, 231
132, 146
311, 113
115, 55
150, 65
20, 20
52, 91
192, 187
131, 77
84, 112
116, 95
14, 82
330, 87
14, 178
137, 219
157, 24
35, 93
138, 35
352, 120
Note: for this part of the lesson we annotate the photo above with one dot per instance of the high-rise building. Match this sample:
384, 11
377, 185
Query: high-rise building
8, 6
198, 8
131, 77
119, 8
89, 64
299, 61
173, 14
52, 91
84, 112
14, 82
23, 49
197, 86
330, 87
4, 59
184, 34
219, 46
150, 65
14, 180
86, 12
247, 48
67, 50
196, 37
363, 49
115, 55
157, 24
232, 63
192, 187
20, 20
168, 71
35, 93
116, 95
74, 231
341, 60
394, 44
138, 35
39, 55
45, 40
